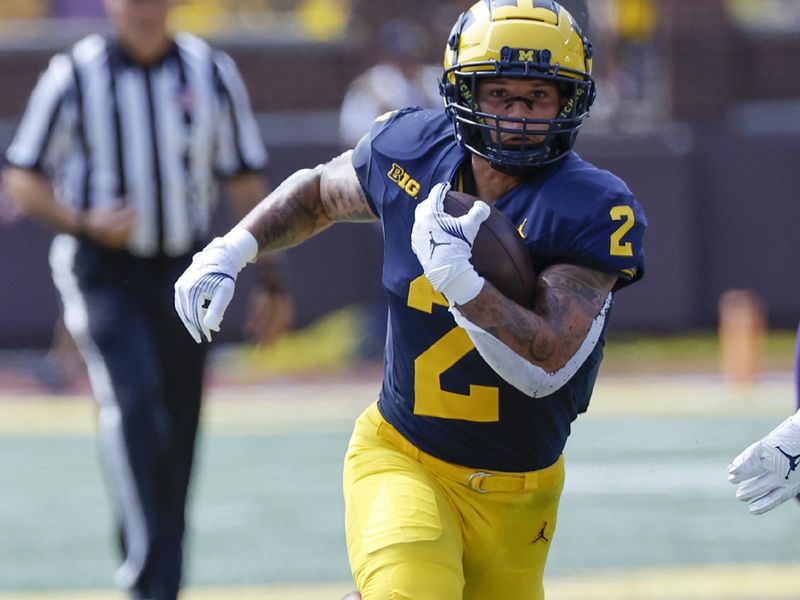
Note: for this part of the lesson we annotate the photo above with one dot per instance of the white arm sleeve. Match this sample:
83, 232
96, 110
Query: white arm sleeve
527, 378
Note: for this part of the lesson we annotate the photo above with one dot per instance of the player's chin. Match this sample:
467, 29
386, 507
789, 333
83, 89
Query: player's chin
513, 141
518, 141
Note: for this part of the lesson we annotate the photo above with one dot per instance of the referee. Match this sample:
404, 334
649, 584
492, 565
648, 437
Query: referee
119, 150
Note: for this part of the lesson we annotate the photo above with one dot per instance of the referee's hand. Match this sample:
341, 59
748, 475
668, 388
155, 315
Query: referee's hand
109, 227
205, 289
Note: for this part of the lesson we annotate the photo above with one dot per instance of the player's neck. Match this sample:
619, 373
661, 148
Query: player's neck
491, 184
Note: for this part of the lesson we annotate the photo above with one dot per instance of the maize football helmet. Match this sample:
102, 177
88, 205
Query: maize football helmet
517, 39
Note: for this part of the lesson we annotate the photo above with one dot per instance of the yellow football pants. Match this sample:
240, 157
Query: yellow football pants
420, 528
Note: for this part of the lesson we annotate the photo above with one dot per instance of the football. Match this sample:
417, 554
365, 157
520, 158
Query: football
499, 253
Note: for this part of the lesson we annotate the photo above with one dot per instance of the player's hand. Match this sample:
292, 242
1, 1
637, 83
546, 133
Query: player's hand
205, 289
443, 245
767, 470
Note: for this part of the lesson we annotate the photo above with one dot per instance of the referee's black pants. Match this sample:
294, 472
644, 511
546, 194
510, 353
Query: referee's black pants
146, 374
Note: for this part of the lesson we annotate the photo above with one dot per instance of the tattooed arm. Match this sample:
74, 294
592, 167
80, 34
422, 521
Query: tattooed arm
567, 304
306, 203
303, 205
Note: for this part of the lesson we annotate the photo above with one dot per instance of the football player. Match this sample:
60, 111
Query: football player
452, 479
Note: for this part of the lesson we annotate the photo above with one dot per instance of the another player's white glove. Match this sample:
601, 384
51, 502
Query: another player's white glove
767, 470
443, 245
205, 289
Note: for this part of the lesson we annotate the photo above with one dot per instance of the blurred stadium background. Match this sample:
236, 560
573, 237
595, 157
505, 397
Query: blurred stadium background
699, 111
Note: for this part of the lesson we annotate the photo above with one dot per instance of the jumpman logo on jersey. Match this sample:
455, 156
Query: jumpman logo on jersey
541, 536
793, 461
435, 244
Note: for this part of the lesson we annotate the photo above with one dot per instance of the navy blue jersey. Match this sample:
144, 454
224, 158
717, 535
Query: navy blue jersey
437, 390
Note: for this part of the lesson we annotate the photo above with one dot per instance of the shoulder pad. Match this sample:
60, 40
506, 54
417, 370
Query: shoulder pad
409, 132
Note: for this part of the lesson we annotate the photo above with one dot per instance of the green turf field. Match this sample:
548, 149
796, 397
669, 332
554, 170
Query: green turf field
647, 512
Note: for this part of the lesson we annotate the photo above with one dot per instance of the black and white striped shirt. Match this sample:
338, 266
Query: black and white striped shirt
108, 130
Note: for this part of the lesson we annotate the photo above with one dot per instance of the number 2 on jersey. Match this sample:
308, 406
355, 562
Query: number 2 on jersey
622, 213
481, 404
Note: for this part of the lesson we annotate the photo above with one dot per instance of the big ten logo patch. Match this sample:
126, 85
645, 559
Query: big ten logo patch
400, 177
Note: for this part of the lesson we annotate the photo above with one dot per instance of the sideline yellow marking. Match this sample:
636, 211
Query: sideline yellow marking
779, 581
709, 582
333, 405
36, 415
294, 592
248, 409
691, 396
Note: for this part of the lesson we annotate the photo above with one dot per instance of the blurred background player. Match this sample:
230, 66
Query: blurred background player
119, 150
452, 479
402, 77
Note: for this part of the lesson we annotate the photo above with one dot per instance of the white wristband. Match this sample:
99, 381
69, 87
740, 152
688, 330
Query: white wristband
464, 287
243, 246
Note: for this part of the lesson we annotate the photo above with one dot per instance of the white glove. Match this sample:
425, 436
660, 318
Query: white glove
443, 245
205, 289
767, 470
